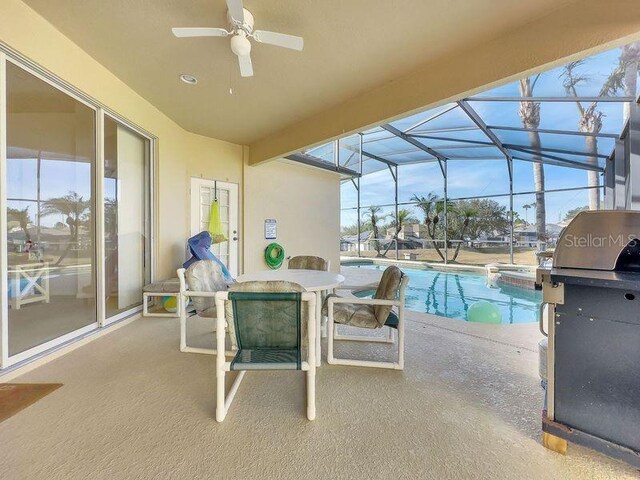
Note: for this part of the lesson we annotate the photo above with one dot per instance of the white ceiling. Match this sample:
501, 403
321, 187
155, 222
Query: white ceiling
350, 46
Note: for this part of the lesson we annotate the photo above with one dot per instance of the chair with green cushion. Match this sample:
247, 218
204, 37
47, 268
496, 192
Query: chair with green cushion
370, 313
273, 324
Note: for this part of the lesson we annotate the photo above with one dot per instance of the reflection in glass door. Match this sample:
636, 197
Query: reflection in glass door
51, 159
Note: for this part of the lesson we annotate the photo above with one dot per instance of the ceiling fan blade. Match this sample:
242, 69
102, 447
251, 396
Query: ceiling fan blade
199, 32
236, 10
246, 68
279, 39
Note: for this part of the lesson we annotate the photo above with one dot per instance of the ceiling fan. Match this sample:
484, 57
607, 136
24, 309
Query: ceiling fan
241, 30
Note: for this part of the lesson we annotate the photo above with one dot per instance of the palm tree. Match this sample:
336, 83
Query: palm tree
374, 217
529, 113
517, 221
624, 76
404, 216
22, 217
75, 208
630, 57
590, 120
526, 211
432, 207
467, 213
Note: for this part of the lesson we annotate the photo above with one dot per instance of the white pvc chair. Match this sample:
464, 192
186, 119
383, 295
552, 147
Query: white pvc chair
205, 279
360, 312
256, 350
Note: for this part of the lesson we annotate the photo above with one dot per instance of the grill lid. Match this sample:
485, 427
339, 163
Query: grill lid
600, 240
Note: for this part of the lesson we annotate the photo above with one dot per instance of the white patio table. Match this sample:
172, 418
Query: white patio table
312, 281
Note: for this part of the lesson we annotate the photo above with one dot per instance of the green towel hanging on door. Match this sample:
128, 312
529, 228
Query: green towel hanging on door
215, 226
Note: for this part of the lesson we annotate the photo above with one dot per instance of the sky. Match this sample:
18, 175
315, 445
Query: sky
57, 178
468, 178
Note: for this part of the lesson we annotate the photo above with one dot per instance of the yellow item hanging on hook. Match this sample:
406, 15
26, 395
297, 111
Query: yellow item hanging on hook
215, 226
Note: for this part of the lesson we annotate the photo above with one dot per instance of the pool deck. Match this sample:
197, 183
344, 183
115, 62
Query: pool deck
467, 405
359, 278
521, 335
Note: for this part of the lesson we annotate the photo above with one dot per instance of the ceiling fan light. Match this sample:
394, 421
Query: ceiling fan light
240, 45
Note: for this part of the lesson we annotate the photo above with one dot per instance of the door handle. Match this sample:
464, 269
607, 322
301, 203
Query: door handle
541, 318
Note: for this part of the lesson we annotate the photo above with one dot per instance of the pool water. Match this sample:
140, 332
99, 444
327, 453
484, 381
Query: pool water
450, 294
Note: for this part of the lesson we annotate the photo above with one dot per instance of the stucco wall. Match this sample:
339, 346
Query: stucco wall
306, 204
180, 154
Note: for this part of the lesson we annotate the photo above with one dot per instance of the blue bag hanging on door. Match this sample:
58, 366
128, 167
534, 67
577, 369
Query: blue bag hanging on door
199, 246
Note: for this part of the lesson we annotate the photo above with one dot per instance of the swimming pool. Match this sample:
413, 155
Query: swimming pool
450, 294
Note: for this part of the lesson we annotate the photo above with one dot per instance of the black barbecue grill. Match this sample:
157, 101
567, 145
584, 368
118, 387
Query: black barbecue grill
593, 357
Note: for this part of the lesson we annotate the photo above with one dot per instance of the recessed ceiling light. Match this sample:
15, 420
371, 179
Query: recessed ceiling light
189, 79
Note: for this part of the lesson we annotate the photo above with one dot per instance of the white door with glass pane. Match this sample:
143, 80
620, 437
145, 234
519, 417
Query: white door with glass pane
203, 193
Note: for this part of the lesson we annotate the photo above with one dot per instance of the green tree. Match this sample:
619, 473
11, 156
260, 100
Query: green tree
517, 220
353, 229
349, 229
471, 219
575, 211
466, 219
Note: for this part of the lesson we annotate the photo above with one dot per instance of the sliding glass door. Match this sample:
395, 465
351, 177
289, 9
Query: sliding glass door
50, 208
75, 211
126, 217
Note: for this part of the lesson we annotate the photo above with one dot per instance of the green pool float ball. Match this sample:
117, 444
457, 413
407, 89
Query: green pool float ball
170, 304
484, 312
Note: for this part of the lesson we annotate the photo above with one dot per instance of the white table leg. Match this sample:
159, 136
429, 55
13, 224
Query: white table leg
318, 327
323, 324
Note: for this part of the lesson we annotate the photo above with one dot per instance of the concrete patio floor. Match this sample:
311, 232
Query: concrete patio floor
132, 406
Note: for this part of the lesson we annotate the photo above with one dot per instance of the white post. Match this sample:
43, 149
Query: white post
4, 288
359, 183
446, 215
311, 373
395, 180
330, 330
619, 187
221, 410
317, 307
633, 153
403, 286
183, 313
99, 221
511, 218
